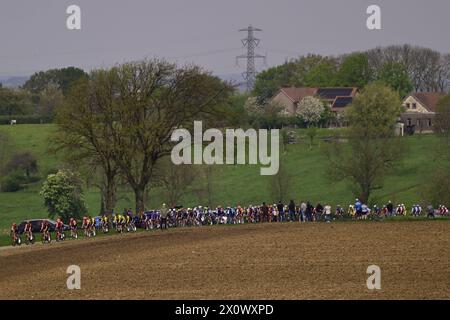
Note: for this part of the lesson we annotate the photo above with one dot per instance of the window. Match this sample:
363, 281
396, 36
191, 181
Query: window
408, 106
429, 122
409, 122
414, 105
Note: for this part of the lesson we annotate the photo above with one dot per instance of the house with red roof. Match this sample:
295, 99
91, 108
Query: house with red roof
335, 98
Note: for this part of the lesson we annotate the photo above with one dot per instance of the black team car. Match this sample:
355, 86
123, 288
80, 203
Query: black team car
36, 225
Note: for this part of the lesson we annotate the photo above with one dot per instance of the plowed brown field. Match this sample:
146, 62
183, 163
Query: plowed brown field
267, 261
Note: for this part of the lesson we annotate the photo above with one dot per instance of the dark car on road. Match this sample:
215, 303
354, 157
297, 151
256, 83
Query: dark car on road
36, 225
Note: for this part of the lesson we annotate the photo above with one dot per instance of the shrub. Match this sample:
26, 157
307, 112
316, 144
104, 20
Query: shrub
12, 182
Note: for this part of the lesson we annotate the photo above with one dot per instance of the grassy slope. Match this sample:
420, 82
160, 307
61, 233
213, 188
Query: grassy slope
232, 184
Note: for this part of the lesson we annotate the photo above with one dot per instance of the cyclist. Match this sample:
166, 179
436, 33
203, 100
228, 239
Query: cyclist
28, 230
59, 228
92, 226
45, 226
127, 220
14, 232
120, 220
85, 225
73, 228
105, 223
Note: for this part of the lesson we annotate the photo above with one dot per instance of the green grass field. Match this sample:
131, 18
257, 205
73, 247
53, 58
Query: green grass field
233, 184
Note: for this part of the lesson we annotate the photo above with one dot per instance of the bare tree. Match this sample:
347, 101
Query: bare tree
443, 73
24, 161
84, 135
427, 69
5, 151
205, 187
175, 180
281, 184
153, 97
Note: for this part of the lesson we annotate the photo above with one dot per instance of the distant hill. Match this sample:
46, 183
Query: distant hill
13, 81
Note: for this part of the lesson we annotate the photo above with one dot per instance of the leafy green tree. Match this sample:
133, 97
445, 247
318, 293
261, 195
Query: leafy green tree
395, 76
63, 195
354, 71
123, 117
268, 82
50, 98
12, 182
63, 79
84, 133
153, 98
309, 70
14, 102
322, 74
235, 112
372, 149
309, 66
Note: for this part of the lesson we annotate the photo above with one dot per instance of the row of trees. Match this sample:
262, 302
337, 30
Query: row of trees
41, 94
427, 69
403, 68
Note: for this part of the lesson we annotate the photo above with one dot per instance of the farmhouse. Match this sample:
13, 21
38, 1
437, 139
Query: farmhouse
336, 98
420, 110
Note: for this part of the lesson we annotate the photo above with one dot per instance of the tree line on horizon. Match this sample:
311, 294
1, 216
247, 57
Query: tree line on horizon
404, 68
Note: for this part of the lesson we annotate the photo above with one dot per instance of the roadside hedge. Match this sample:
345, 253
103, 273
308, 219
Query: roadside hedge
26, 119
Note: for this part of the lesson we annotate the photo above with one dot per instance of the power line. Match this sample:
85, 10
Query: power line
251, 43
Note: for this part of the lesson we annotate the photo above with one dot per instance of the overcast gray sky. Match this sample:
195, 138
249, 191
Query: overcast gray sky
34, 36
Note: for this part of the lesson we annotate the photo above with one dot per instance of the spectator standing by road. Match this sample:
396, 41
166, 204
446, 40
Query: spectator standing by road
280, 208
291, 208
390, 208
265, 212
164, 212
327, 213
318, 211
430, 211
302, 212
358, 208
309, 211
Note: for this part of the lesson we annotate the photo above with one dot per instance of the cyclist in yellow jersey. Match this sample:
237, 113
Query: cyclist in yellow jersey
105, 223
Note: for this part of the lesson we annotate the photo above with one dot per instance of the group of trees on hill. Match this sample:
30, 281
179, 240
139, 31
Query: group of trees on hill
40, 95
404, 68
